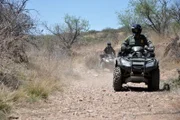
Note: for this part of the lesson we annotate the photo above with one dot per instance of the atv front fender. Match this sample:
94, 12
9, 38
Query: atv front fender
117, 61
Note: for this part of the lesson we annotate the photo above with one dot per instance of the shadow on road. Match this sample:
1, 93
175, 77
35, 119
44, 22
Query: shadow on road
165, 87
135, 89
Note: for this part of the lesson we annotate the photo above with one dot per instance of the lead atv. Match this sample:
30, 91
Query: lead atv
137, 66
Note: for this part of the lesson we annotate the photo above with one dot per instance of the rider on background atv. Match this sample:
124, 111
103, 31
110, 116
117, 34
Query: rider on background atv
137, 39
108, 51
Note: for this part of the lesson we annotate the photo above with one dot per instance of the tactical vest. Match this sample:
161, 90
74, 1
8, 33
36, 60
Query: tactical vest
141, 41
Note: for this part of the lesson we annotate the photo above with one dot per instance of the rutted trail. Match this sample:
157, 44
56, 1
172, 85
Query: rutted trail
92, 98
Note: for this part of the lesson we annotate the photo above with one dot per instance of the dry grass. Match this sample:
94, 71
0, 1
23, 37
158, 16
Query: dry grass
176, 83
42, 76
155, 38
90, 55
40, 89
7, 100
35, 87
45, 73
3, 116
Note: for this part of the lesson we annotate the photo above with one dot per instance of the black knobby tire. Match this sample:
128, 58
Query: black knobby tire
153, 84
117, 79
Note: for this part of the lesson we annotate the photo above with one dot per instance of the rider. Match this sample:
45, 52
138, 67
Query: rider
137, 39
108, 51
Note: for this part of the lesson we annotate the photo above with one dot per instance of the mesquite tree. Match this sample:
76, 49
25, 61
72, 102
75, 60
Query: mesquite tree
15, 25
154, 14
69, 31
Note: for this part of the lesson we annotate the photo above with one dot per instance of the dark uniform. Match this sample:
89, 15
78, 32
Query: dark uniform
109, 50
133, 40
141, 40
137, 39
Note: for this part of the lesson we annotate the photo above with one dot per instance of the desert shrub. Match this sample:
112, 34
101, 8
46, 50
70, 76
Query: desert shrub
110, 30
15, 26
176, 83
9, 80
89, 40
172, 50
99, 37
42, 77
69, 31
3, 116
40, 89
92, 32
6, 97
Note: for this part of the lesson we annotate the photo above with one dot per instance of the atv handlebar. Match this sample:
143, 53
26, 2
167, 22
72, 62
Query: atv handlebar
149, 49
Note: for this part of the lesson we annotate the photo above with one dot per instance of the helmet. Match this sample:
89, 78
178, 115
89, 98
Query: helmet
136, 29
109, 43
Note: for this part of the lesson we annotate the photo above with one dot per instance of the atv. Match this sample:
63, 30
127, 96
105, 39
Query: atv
107, 62
137, 66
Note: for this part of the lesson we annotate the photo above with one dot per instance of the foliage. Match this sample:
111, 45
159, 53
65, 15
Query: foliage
175, 11
109, 30
92, 31
155, 14
15, 25
127, 19
69, 32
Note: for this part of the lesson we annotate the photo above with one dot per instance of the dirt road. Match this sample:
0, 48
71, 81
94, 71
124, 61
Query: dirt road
92, 98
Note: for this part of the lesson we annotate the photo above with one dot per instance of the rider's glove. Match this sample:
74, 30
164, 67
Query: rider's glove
150, 49
128, 48
123, 48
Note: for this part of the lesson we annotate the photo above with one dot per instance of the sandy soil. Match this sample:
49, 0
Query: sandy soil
92, 98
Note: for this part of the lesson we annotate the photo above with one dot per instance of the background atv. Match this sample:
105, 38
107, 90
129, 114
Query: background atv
107, 62
137, 66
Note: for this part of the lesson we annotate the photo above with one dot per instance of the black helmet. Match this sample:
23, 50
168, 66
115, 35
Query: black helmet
136, 29
109, 43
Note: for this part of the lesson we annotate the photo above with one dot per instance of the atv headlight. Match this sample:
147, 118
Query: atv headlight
125, 62
107, 60
150, 64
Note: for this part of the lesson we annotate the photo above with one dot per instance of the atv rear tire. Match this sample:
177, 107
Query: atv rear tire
153, 84
117, 79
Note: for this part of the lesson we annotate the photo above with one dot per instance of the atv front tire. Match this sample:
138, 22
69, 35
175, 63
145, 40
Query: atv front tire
117, 79
153, 84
